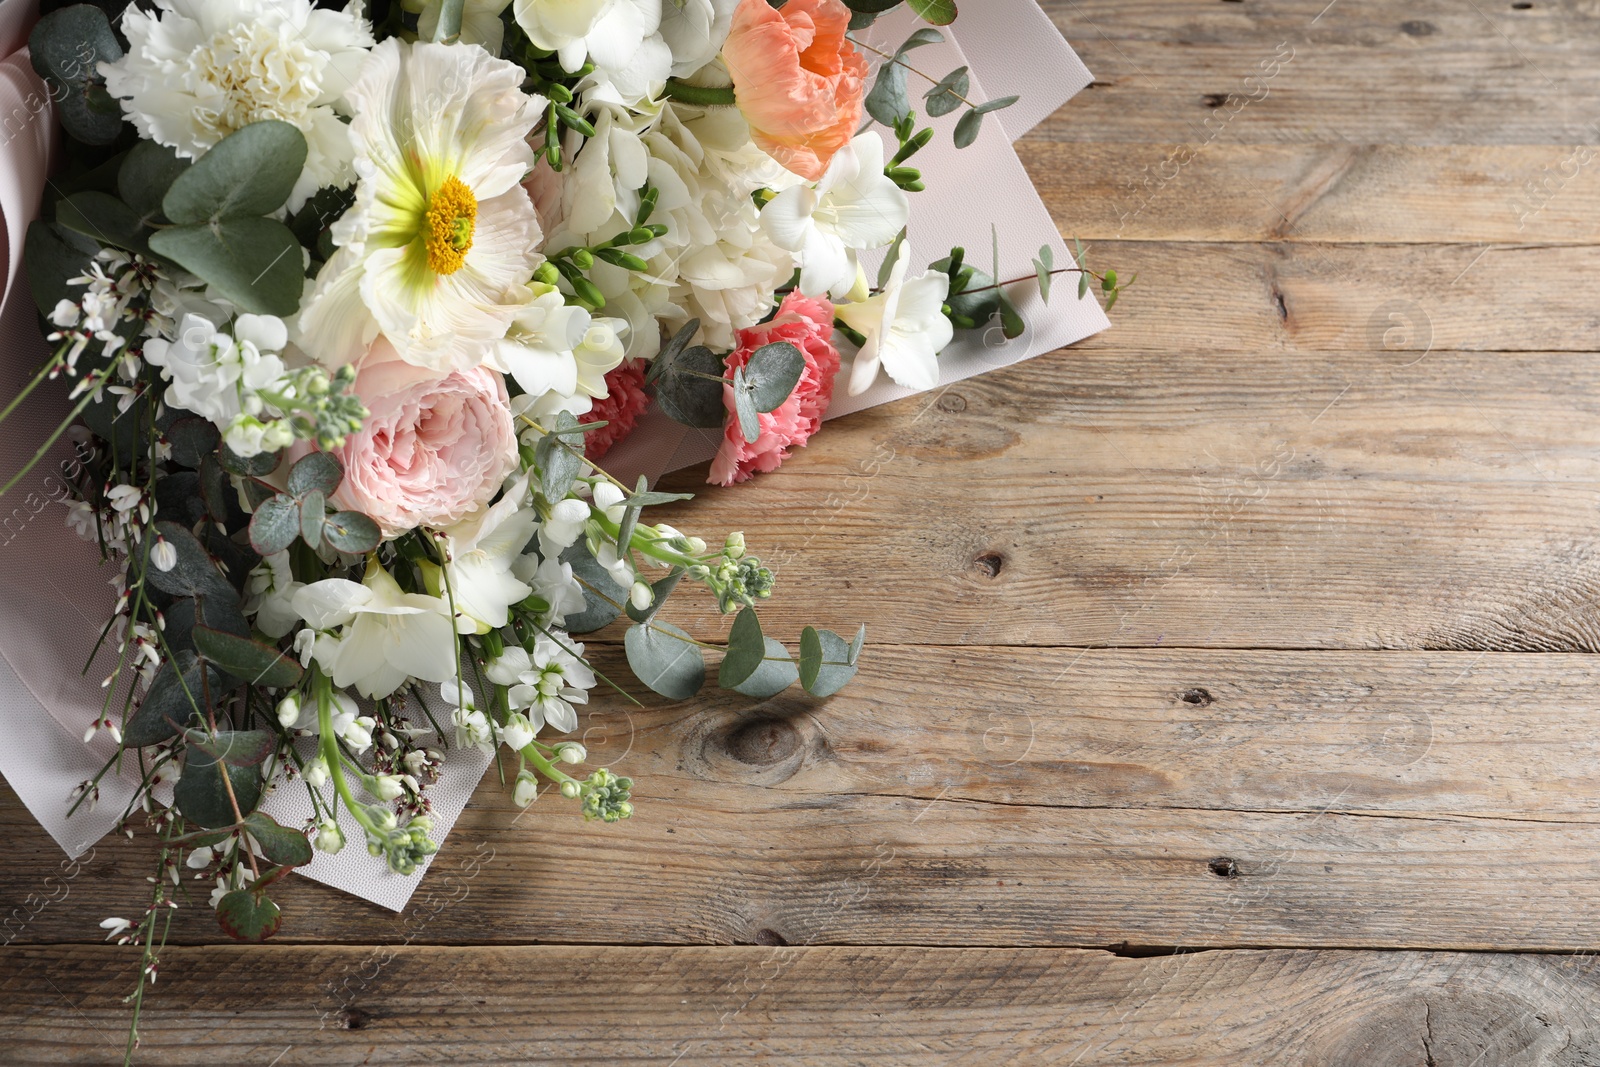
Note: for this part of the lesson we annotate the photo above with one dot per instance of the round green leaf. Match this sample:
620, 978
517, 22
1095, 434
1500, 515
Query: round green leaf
279, 844
772, 373
666, 659
810, 656
146, 174
835, 667
315, 470
604, 596
313, 514
275, 525
248, 173
203, 799
245, 915
688, 399
52, 253
776, 673
746, 647
194, 574
104, 218
66, 47
256, 263
192, 440
168, 700
351, 532
744, 407
258, 466
938, 12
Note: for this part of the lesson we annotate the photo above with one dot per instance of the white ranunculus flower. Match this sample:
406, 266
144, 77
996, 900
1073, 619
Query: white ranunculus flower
695, 30
197, 70
483, 549
388, 636
905, 327
439, 247
854, 207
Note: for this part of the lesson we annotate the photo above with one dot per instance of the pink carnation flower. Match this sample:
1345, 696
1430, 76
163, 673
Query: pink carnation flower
808, 325
619, 409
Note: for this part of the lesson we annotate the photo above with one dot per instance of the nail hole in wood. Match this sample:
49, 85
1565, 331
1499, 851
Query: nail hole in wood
1198, 697
1214, 99
991, 562
1223, 867
356, 1019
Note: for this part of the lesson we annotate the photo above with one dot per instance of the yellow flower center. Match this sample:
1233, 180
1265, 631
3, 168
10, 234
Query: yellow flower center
452, 213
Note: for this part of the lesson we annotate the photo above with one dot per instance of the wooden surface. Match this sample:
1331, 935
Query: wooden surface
1230, 699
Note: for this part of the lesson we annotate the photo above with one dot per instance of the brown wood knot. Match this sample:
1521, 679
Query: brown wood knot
954, 403
1224, 867
355, 1018
991, 562
1214, 100
1420, 28
1196, 696
763, 742
765, 936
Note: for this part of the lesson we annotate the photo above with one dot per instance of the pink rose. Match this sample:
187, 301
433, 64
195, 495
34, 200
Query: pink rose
808, 325
797, 79
619, 409
435, 449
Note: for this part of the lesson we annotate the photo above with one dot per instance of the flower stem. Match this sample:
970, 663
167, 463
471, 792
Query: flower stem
701, 95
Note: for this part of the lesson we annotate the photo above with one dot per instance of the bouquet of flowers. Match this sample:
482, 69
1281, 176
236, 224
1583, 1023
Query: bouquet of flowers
350, 303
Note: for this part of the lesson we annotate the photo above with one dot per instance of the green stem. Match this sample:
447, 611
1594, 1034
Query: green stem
700, 95
323, 686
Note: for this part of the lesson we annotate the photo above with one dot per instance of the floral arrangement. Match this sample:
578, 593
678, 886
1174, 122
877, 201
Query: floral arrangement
352, 302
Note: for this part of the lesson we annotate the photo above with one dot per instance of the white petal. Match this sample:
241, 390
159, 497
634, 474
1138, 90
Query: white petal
331, 602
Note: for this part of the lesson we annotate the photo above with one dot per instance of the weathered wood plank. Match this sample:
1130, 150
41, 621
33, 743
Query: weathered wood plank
1360, 71
1202, 799
1381, 499
1455, 194
820, 1007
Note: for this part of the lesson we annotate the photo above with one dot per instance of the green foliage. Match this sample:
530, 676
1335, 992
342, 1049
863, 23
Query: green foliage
889, 102
827, 661
176, 692
52, 253
775, 674
194, 574
248, 173
279, 844
192, 439
248, 915
66, 47
666, 659
302, 513
772, 374
351, 532
688, 387
557, 458
104, 218
241, 748
938, 12
201, 796
275, 525
746, 648
972, 122
947, 95
250, 661
315, 471
603, 596
146, 173
254, 262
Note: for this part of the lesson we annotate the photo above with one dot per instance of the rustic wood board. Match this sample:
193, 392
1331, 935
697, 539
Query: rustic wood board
808, 1007
1257, 627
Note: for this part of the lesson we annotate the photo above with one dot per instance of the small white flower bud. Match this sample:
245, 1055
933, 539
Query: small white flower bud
387, 787
517, 732
330, 838
526, 791
289, 711
641, 596
572, 752
316, 773
570, 790
163, 554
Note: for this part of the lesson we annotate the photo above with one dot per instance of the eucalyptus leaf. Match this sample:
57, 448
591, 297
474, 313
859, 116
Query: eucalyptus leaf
776, 673
558, 464
192, 439
968, 128
856, 644
257, 466
938, 12
256, 263
195, 573
671, 351
173, 697
52, 254
352, 532
214, 612
241, 748
66, 48
835, 668
178, 498
772, 374
603, 596
250, 661
744, 407
810, 656
147, 172
313, 514
279, 844
746, 648
315, 470
1012, 324
104, 218
947, 95
660, 589
275, 525
246, 915
666, 659
248, 173
201, 796
686, 397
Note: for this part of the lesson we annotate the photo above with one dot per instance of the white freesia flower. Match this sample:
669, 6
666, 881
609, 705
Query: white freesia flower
553, 347
389, 635
905, 327
545, 684
272, 588
483, 549
441, 242
197, 70
563, 527
609, 499
561, 26
553, 582
854, 207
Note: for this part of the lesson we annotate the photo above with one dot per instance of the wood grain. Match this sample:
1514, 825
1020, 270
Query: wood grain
1045, 797
1359, 71
817, 1007
1340, 192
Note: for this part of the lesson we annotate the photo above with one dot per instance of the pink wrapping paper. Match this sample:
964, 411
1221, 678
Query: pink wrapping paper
54, 591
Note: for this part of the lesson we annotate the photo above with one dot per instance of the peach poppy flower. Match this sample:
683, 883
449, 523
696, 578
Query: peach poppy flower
797, 79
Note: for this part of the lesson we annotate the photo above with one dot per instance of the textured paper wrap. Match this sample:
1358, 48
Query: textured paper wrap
54, 590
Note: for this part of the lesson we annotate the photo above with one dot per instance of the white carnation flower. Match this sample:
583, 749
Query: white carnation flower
198, 70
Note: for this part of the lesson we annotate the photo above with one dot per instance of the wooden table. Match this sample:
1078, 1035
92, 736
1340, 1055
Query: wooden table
1228, 699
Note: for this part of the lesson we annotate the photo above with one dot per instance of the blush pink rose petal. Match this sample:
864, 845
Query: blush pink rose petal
808, 325
435, 449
